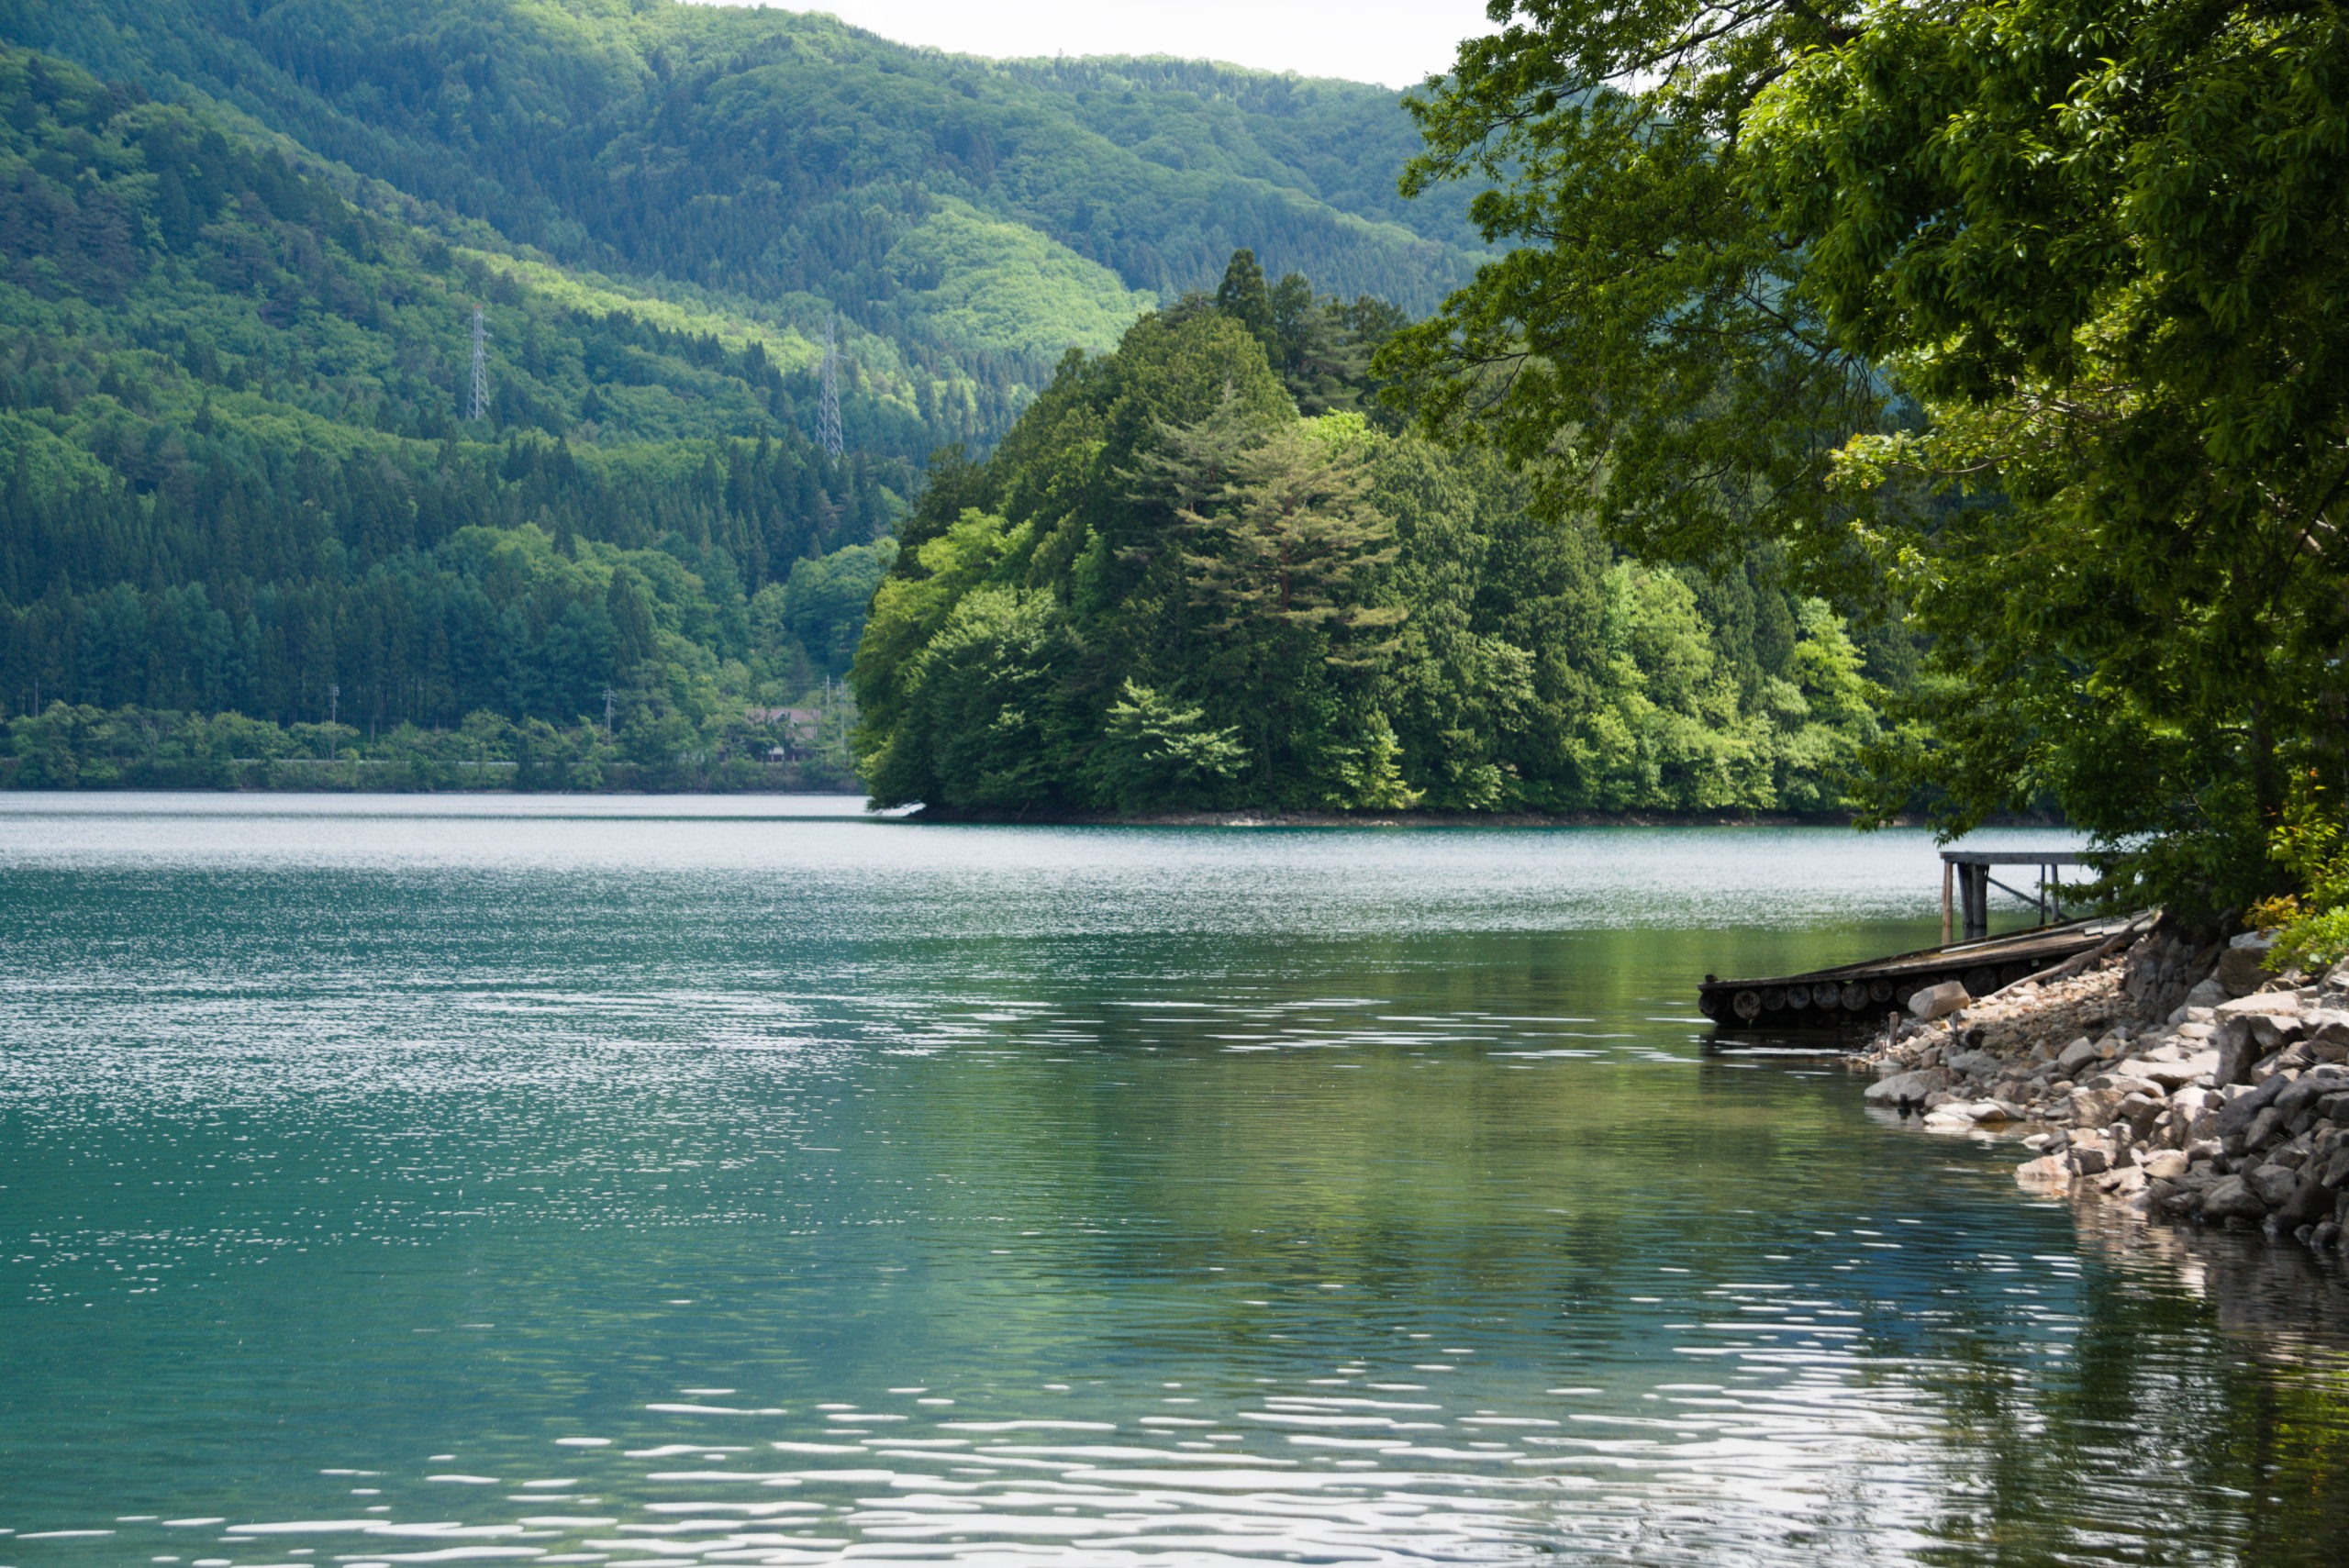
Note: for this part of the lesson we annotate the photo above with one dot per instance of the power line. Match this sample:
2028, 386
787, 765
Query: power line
828, 416
481, 366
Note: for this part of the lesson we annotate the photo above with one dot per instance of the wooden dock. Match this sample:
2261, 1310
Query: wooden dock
1865, 993
1966, 872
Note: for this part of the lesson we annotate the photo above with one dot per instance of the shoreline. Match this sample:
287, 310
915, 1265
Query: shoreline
280, 780
1240, 818
2186, 1086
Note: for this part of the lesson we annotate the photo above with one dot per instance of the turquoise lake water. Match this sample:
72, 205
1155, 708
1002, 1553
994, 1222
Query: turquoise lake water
656, 1182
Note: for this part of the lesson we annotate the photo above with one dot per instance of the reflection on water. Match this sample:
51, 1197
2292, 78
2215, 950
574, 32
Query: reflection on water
684, 1183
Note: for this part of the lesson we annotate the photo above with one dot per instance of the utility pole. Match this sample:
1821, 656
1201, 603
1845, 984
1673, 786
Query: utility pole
479, 408
608, 695
827, 415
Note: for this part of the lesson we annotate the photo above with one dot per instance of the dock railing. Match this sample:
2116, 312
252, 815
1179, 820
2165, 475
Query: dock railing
1966, 874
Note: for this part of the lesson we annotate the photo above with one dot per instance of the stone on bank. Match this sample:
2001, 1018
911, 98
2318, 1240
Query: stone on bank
2193, 1086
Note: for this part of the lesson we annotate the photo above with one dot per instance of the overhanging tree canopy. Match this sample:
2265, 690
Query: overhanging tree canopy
2093, 250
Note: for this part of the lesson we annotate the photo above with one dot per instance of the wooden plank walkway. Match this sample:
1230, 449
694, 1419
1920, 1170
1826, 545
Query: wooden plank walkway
1863, 993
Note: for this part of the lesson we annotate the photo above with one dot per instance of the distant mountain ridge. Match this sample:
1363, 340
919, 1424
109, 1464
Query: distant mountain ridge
242, 247
800, 165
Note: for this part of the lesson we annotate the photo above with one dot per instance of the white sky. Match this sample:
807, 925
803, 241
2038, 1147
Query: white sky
1397, 42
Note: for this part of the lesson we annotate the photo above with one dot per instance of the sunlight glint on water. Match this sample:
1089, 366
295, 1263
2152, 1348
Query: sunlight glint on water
695, 1181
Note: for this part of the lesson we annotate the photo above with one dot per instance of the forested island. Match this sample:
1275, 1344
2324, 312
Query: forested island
1210, 571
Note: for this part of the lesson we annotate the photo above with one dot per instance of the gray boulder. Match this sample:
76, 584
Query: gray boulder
2240, 1112
2139, 1112
2233, 1199
2241, 970
1909, 1088
2173, 1075
1939, 1001
2266, 1004
2245, 1038
2312, 1088
2076, 1057
2306, 1202
2087, 1158
2265, 1129
2274, 1183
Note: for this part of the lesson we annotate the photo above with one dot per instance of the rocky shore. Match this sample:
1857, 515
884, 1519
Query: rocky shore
2189, 1086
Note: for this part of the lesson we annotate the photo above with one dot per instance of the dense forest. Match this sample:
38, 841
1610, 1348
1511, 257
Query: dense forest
1137, 543
235, 480
241, 250
2030, 307
967, 220
1201, 573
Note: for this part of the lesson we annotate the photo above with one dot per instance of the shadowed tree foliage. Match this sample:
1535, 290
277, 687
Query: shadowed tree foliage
2028, 308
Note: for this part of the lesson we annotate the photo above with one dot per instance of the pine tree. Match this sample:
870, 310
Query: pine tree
1243, 296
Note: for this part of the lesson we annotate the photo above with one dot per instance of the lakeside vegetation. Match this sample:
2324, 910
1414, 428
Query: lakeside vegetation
2032, 306
72, 747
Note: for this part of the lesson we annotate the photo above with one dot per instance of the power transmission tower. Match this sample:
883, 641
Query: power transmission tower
828, 416
479, 408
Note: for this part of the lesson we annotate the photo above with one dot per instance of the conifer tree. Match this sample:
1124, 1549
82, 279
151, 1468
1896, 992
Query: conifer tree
1243, 296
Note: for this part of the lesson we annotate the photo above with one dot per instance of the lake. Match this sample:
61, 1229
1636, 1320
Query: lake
667, 1181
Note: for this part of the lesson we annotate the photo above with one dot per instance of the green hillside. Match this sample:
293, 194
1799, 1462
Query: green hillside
796, 166
241, 248
235, 476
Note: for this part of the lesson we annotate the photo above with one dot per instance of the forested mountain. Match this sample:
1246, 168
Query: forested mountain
974, 219
241, 251
232, 472
1170, 588
241, 248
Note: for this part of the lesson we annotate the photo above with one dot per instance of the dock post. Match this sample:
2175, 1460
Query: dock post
1948, 872
1976, 888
